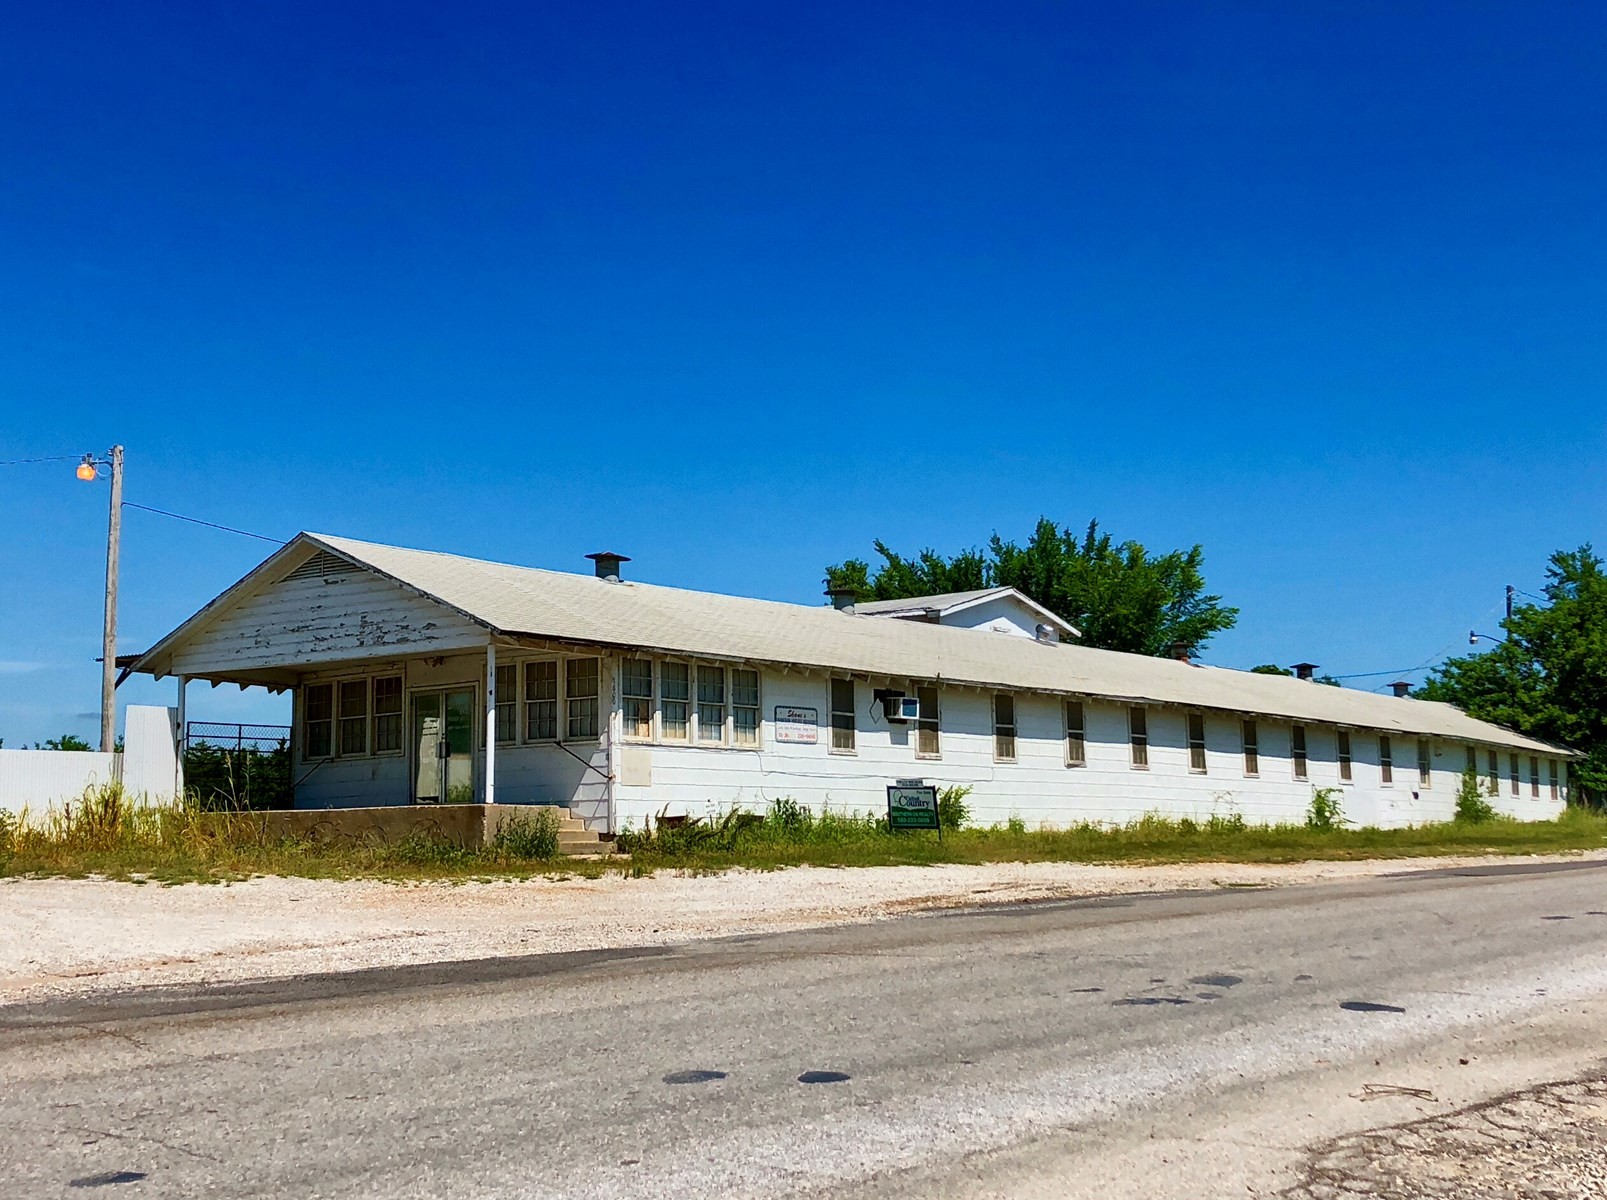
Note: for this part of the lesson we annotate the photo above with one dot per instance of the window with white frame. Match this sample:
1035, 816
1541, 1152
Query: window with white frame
1076, 735
1386, 760
1495, 773
1534, 776
928, 722
744, 707
1138, 738
388, 714
1473, 762
1004, 727
1196, 732
1425, 762
353, 733
580, 696
843, 716
675, 701
1250, 738
541, 700
507, 702
711, 704
636, 696
1343, 754
1551, 775
317, 720
1512, 772
1297, 750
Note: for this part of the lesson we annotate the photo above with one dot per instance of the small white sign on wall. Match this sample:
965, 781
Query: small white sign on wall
801, 725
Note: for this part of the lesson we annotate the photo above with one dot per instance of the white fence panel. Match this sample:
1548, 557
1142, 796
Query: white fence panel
42, 779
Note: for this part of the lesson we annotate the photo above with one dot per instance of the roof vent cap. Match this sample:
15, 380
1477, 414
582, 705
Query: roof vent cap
842, 598
607, 564
1305, 670
1401, 688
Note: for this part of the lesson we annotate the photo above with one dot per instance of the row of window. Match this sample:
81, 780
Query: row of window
713, 705
1514, 773
1249, 742
703, 703
352, 717
555, 695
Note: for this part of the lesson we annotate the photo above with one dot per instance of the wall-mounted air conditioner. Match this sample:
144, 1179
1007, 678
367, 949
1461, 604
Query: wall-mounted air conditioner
901, 710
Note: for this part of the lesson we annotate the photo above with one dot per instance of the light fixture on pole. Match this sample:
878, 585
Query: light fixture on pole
88, 471
1473, 638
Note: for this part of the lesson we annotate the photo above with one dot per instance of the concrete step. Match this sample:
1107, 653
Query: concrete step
574, 843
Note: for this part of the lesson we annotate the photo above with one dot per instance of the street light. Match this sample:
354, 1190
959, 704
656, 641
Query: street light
1473, 638
88, 471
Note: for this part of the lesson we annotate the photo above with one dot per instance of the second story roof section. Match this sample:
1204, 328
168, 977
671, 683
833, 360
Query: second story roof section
999, 609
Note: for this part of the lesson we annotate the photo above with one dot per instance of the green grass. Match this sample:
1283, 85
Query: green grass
847, 842
102, 835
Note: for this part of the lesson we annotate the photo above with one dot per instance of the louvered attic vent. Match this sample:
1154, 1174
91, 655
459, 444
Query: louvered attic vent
322, 565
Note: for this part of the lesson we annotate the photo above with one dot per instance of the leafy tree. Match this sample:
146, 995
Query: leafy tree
66, 741
1118, 594
1549, 678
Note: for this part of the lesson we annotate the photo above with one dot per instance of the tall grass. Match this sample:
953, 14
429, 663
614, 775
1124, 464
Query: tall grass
104, 833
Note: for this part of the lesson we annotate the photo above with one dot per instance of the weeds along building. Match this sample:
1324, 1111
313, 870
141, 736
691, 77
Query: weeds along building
421, 677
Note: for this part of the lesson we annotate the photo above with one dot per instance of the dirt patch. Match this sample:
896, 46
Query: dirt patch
1541, 1143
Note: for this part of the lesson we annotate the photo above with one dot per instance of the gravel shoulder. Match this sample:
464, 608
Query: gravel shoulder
59, 936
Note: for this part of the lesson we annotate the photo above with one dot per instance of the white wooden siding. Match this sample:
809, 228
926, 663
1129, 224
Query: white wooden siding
1037, 787
323, 620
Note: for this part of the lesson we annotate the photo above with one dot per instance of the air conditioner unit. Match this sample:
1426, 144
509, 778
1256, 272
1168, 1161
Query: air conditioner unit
901, 710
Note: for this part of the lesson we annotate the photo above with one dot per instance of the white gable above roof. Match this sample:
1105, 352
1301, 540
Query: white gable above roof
947, 604
513, 601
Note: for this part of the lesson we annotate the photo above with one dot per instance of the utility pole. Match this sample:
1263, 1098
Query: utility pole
1510, 590
108, 645
89, 471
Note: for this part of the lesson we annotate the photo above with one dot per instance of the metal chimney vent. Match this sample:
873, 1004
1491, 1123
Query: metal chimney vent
607, 564
1305, 670
1400, 687
842, 599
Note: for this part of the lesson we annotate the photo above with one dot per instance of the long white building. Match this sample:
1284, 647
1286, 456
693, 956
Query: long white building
422, 677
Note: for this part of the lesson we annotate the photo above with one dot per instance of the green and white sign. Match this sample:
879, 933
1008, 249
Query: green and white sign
912, 806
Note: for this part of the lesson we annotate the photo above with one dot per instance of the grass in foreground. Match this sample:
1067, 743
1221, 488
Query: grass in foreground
101, 835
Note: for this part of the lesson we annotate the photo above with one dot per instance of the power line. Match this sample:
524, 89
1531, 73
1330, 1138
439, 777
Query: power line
162, 512
20, 462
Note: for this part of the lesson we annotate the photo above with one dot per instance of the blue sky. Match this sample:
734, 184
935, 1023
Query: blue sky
736, 289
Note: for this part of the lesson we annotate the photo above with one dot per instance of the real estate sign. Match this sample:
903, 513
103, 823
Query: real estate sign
912, 806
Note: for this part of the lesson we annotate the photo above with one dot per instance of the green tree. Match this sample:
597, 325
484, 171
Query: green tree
1548, 679
66, 741
1120, 595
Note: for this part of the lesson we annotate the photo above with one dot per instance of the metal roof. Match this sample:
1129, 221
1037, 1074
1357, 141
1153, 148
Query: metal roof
556, 605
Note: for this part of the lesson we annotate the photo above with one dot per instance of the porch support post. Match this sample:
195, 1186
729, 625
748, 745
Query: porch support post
490, 722
182, 743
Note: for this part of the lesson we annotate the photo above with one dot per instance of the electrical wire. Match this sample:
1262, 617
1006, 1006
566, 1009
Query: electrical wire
20, 462
162, 512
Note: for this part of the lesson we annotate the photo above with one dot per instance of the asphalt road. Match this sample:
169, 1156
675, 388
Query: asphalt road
1185, 1044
